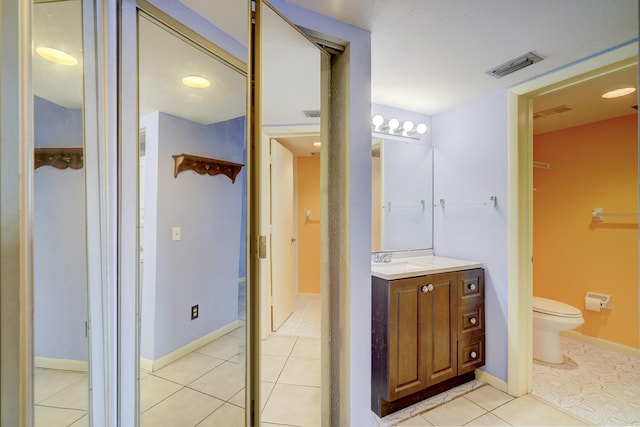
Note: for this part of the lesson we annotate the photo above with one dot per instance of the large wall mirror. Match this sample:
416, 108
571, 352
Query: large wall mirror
192, 196
61, 355
402, 193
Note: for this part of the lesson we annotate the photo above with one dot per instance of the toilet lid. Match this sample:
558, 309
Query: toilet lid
553, 307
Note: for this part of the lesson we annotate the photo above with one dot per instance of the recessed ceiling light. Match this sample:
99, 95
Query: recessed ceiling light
56, 55
619, 92
317, 143
196, 82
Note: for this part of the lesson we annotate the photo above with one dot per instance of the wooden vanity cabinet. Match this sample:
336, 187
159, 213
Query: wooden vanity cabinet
423, 338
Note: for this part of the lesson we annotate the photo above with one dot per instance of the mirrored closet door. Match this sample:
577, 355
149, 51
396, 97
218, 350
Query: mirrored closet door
191, 201
61, 355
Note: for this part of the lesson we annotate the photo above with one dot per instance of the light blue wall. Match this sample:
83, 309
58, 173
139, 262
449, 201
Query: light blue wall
201, 268
60, 275
470, 160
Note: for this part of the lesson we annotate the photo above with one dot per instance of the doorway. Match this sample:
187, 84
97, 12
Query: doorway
520, 204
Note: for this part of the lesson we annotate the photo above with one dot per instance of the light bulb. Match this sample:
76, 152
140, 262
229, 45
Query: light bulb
421, 128
393, 125
56, 55
377, 120
619, 92
196, 82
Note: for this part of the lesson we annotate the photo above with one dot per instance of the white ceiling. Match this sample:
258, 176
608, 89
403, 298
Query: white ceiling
427, 55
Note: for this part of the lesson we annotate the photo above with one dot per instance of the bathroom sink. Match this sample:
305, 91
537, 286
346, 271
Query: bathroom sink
396, 267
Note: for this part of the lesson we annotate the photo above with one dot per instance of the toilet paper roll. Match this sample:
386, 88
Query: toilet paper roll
592, 304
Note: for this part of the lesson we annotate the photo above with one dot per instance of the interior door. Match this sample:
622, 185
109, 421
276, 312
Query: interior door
282, 235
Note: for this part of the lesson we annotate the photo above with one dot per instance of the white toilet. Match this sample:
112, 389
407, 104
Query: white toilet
549, 318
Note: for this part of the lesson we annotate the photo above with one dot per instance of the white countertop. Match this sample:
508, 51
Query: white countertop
404, 267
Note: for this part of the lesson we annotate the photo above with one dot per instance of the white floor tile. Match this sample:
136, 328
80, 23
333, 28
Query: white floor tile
528, 411
271, 367
298, 371
278, 345
223, 381
488, 420
47, 382
265, 392
45, 416
227, 415
154, 389
225, 347
488, 397
188, 368
455, 413
293, 405
415, 421
184, 408
75, 396
308, 348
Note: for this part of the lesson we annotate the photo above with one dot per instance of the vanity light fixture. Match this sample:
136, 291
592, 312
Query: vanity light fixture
619, 92
395, 127
196, 82
56, 55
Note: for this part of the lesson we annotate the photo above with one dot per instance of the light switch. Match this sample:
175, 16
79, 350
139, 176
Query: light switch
175, 233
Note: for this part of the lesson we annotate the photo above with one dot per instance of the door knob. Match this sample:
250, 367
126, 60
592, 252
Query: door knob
472, 286
473, 354
473, 320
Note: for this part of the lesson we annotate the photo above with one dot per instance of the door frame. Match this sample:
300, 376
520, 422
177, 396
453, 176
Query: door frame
520, 193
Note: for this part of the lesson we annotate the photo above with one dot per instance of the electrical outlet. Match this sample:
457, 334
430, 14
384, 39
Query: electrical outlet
175, 233
194, 312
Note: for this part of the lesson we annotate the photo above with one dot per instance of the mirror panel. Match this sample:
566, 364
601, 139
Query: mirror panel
402, 199
191, 199
61, 352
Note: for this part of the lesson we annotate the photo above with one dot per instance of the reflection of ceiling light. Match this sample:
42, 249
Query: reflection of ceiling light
377, 121
619, 92
196, 82
317, 144
394, 124
56, 55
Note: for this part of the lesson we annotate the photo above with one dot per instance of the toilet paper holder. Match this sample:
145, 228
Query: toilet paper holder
605, 300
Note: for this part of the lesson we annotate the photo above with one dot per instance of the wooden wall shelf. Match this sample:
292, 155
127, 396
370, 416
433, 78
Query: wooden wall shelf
204, 165
59, 157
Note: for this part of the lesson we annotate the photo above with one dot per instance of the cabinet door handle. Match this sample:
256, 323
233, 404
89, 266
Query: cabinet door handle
472, 286
473, 354
473, 320
426, 288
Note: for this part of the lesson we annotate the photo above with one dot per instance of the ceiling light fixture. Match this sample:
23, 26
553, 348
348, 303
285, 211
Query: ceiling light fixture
394, 126
619, 92
196, 82
56, 55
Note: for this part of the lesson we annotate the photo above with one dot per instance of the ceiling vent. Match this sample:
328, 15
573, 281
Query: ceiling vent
551, 111
515, 65
312, 114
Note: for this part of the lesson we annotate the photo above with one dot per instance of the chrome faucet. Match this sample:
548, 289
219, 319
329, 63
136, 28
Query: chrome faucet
382, 256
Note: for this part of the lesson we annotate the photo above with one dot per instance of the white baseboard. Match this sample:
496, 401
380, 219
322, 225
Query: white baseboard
599, 342
493, 381
61, 364
154, 365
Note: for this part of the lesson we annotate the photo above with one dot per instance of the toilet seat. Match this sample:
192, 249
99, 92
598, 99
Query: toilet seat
554, 308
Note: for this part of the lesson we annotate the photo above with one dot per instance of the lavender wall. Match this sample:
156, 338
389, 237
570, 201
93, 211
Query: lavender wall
470, 165
201, 268
60, 275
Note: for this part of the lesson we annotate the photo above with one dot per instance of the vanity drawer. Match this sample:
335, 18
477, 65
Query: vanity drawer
470, 320
470, 354
470, 286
